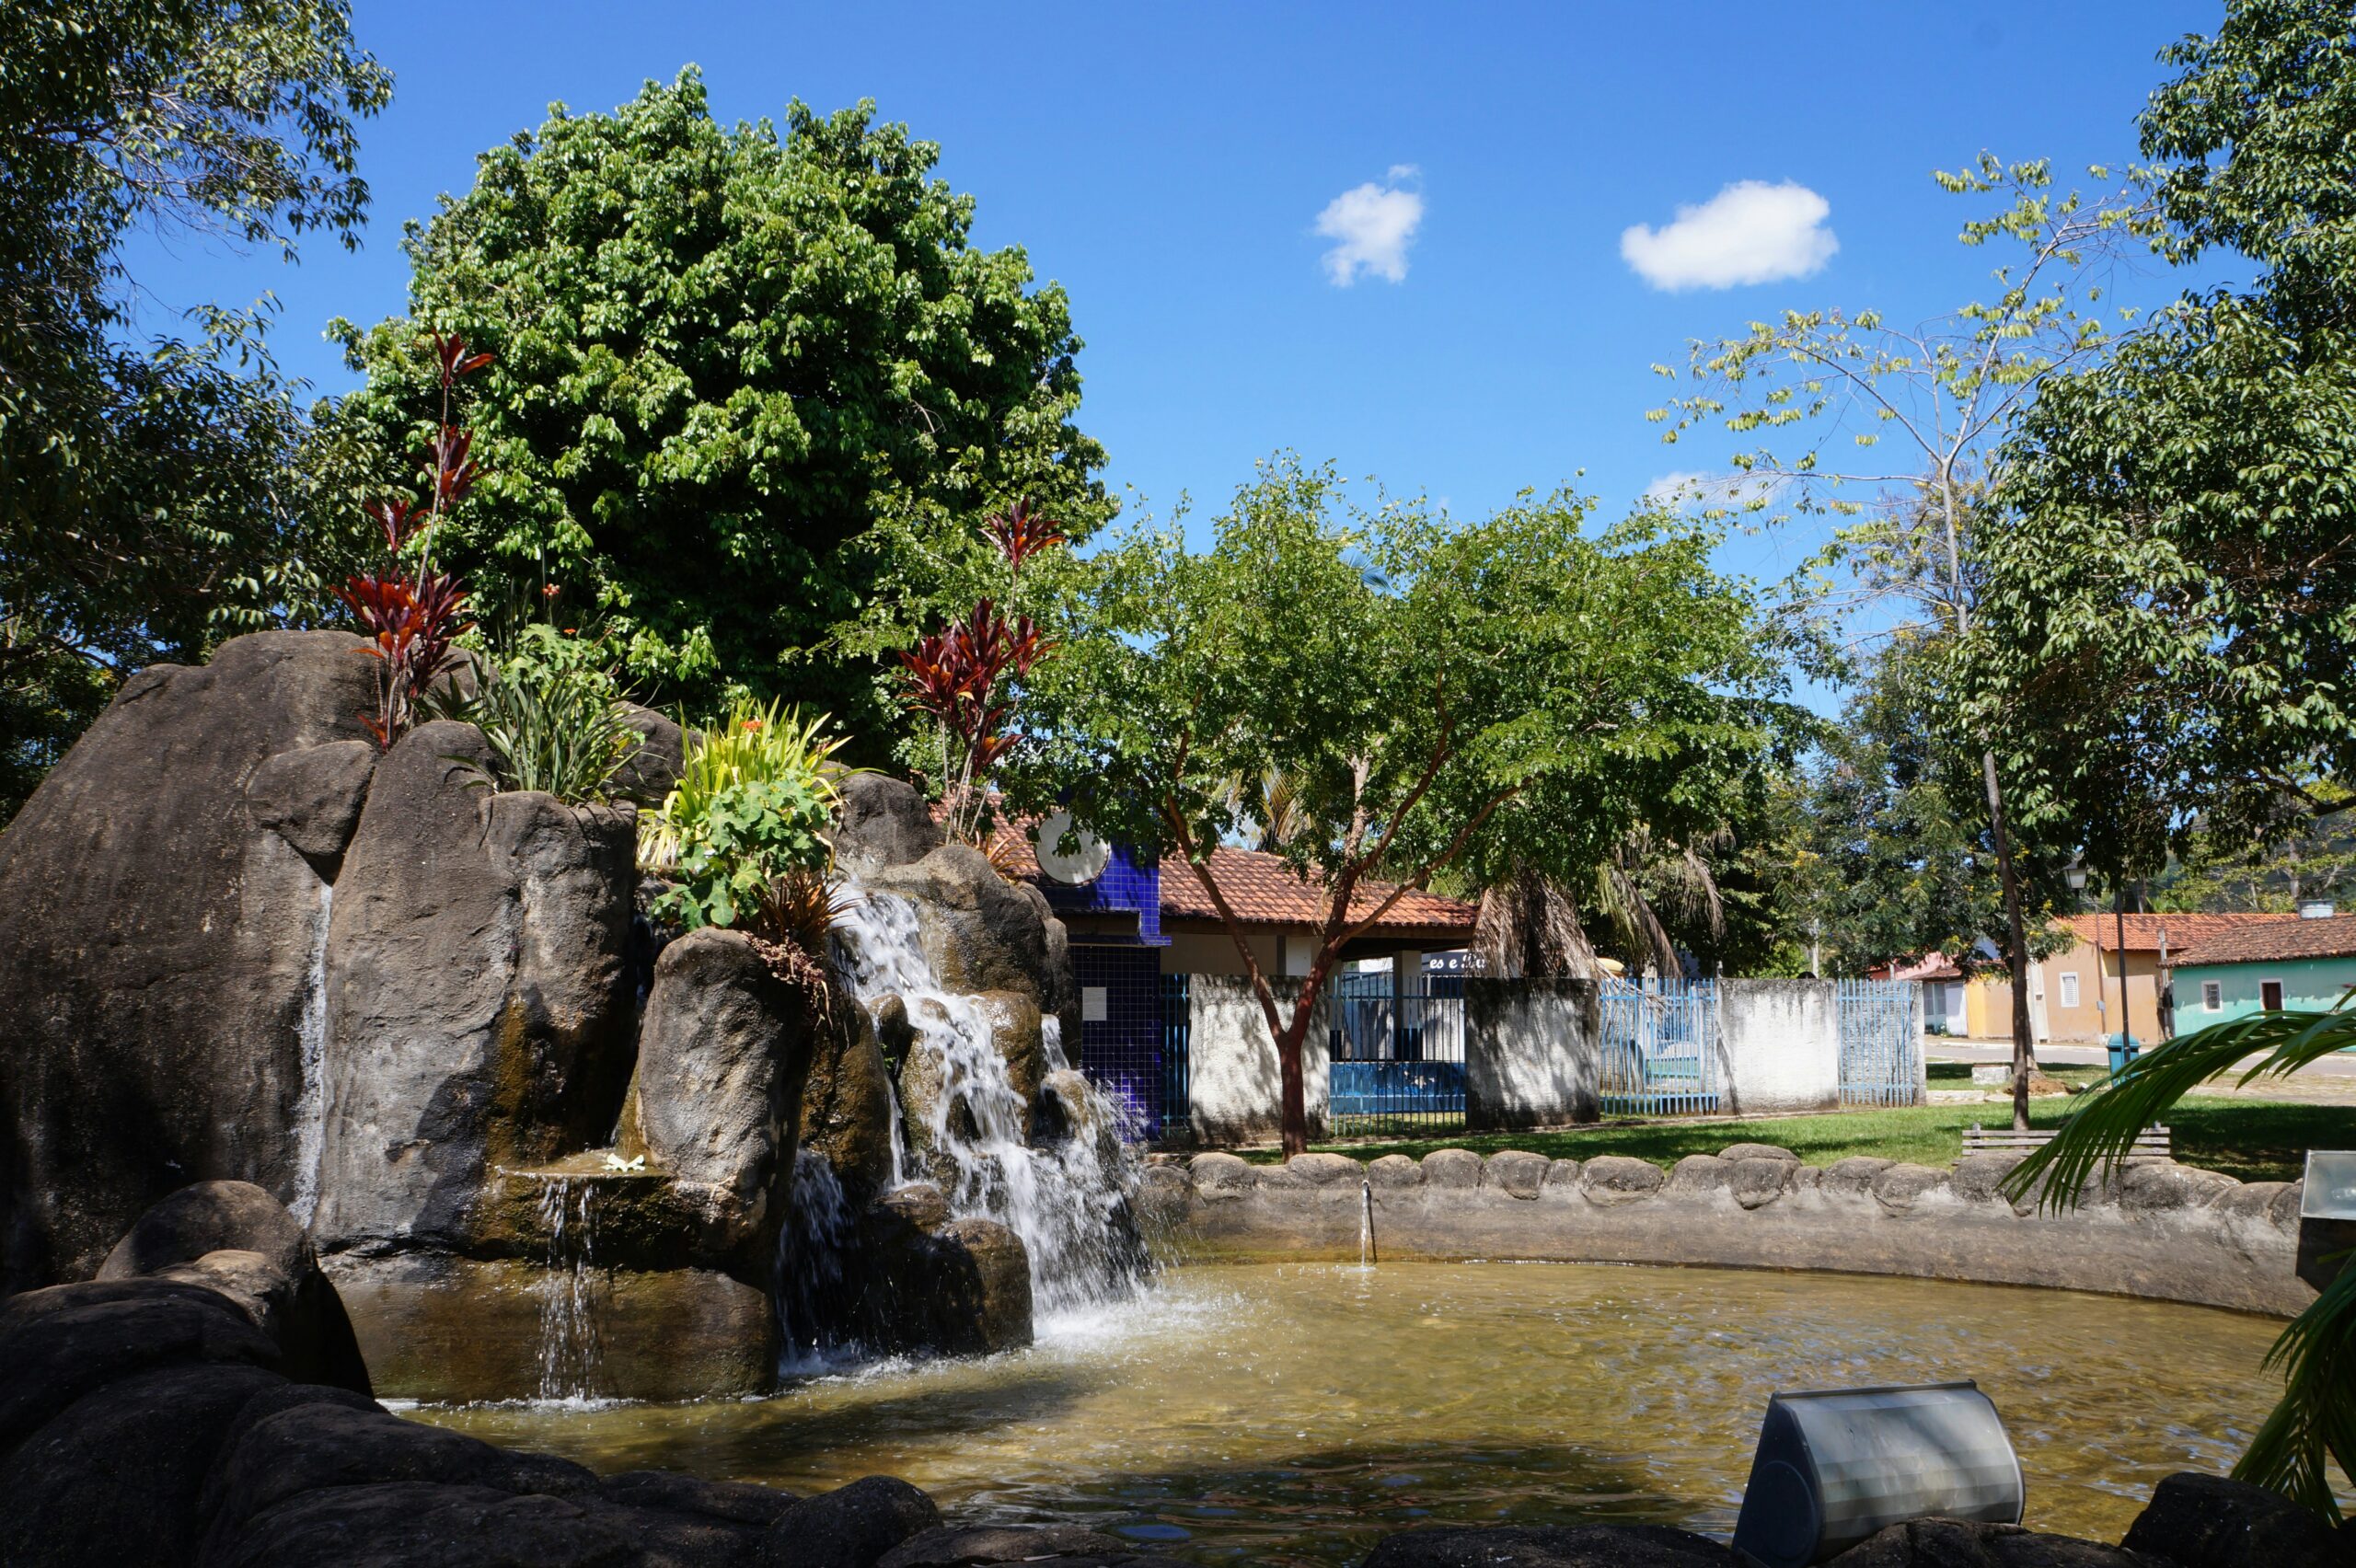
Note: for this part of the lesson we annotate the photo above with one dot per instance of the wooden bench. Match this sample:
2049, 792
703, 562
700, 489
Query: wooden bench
2151, 1143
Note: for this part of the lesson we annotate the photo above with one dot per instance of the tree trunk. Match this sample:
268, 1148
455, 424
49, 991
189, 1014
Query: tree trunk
1294, 1112
2017, 944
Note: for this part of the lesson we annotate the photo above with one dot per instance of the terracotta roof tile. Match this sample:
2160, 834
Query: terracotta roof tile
2183, 930
2286, 937
1262, 890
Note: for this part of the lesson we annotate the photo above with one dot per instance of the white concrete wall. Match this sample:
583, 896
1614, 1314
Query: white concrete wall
1234, 1085
1533, 1054
1780, 1042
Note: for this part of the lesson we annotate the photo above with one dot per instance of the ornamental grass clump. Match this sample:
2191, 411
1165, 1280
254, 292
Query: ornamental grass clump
561, 732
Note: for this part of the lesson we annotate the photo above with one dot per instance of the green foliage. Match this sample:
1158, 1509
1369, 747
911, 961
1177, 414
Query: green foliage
1894, 856
140, 485
1435, 692
751, 391
2306, 857
2184, 608
741, 833
2314, 1425
564, 732
749, 834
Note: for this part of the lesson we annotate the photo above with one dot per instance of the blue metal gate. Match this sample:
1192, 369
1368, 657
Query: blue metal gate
1660, 1048
1397, 1052
1881, 1042
1177, 1039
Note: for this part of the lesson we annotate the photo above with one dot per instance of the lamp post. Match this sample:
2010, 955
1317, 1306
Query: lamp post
2126, 1028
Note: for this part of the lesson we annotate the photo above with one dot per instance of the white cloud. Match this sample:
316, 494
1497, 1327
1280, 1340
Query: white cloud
1750, 231
1374, 224
1686, 488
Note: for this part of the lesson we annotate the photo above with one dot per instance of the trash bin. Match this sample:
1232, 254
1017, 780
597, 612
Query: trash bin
2123, 1049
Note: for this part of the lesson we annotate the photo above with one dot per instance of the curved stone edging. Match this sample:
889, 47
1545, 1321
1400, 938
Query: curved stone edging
2159, 1230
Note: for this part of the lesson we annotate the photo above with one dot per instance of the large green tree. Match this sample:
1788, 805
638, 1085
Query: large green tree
1891, 435
2182, 593
750, 390
142, 481
1438, 696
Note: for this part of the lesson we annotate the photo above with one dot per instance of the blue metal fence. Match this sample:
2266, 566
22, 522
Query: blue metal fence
1396, 1055
1660, 1048
1177, 1039
1881, 1042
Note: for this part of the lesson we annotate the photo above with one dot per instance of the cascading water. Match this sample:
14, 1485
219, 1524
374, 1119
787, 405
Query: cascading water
1068, 1199
310, 1100
809, 1264
570, 1351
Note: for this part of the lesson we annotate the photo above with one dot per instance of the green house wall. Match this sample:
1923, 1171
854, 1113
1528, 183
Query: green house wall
2307, 982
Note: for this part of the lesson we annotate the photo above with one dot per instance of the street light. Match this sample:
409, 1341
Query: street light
2074, 873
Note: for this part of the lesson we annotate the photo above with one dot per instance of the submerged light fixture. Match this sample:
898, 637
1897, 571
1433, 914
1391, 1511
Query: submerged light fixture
1836, 1465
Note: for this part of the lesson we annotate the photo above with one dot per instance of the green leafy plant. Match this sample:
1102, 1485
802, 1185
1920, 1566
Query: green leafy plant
742, 832
563, 731
2315, 1424
749, 835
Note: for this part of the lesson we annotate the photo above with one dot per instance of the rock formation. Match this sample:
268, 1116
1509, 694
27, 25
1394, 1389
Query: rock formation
161, 904
426, 1015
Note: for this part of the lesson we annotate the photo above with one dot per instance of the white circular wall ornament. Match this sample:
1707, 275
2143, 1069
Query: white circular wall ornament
1090, 854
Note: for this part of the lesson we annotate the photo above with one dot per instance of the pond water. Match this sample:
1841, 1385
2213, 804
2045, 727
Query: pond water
1292, 1414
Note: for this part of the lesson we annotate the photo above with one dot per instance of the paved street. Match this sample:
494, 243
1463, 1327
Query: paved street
2331, 1081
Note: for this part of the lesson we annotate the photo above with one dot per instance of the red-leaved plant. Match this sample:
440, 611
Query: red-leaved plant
412, 618
964, 676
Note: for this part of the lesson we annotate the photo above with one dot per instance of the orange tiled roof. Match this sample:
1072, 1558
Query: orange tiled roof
2279, 937
1262, 890
2144, 930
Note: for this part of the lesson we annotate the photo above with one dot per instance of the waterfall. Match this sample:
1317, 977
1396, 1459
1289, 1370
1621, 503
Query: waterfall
310, 1100
1068, 1201
570, 1352
810, 1264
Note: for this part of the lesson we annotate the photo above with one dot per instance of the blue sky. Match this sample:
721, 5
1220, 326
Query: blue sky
1169, 166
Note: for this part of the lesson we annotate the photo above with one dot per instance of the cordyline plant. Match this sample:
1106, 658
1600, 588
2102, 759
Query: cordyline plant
412, 619
964, 677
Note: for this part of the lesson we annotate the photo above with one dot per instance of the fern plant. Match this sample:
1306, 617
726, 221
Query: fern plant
2314, 1425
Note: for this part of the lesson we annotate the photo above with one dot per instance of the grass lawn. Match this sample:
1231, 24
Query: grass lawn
2254, 1140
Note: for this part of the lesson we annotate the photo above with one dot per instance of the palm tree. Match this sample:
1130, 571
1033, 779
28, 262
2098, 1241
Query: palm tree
2315, 1424
1529, 923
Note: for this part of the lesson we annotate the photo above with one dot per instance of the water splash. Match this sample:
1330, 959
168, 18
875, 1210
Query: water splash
310, 1099
1365, 1225
1068, 1199
572, 1353
1051, 1041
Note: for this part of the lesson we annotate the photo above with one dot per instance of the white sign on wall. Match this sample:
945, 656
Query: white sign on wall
1091, 1004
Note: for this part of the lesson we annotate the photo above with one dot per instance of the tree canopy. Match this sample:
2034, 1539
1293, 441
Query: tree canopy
2179, 601
141, 507
1435, 694
750, 391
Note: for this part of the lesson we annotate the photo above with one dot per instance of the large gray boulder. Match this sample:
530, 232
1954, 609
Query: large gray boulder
881, 822
2206, 1521
723, 1053
237, 1239
161, 907
478, 999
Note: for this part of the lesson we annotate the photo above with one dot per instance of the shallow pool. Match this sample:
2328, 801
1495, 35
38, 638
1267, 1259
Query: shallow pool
1291, 1415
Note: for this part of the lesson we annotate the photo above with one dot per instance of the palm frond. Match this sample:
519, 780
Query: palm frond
2316, 1418
2101, 1131
2315, 1424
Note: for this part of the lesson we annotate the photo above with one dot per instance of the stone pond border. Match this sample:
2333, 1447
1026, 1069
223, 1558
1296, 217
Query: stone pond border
2157, 1229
